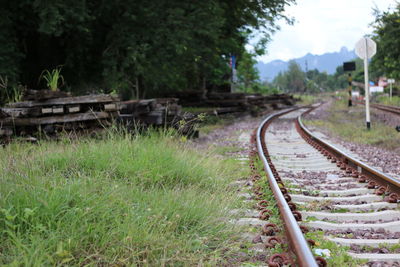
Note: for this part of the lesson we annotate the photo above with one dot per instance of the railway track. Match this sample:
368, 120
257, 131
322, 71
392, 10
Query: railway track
329, 195
391, 109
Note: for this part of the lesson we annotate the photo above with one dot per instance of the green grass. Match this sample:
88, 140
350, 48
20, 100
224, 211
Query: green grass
211, 123
198, 109
349, 124
145, 200
306, 99
385, 100
338, 254
227, 150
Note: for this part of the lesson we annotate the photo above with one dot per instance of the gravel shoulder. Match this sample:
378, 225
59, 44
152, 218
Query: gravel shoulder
382, 159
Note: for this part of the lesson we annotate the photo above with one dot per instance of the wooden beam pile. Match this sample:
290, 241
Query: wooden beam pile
157, 112
223, 102
53, 111
147, 112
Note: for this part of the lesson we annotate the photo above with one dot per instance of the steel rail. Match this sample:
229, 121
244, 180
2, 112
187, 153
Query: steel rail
298, 243
381, 178
392, 109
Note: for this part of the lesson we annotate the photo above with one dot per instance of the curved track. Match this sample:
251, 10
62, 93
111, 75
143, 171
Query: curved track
352, 204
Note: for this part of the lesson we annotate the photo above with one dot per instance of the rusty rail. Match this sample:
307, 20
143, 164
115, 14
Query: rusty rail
392, 109
387, 182
298, 243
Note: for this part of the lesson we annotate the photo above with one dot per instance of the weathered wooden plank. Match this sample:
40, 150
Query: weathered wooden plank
225, 96
3, 114
137, 106
227, 102
111, 107
167, 101
87, 99
6, 131
58, 110
43, 94
74, 109
153, 117
20, 112
55, 119
47, 110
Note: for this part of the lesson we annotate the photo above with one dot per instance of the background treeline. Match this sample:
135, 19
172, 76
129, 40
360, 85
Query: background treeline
138, 48
295, 80
386, 62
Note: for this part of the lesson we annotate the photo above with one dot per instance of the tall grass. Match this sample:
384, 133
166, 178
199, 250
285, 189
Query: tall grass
349, 123
145, 200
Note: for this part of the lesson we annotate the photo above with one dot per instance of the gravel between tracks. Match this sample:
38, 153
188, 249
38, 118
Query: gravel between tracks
236, 134
251, 251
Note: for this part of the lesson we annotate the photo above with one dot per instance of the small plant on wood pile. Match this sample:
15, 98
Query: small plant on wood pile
10, 94
52, 78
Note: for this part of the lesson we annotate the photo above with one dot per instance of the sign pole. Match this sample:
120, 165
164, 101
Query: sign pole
366, 48
350, 79
391, 81
366, 81
390, 91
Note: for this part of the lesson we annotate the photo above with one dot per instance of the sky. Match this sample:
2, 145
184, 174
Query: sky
323, 26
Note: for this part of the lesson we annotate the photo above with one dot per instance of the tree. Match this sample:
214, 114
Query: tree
292, 80
386, 32
247, 72
135, 47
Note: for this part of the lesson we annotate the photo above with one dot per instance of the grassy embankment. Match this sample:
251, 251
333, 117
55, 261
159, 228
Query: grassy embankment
349, 124
305, 100
122, 200
385, 100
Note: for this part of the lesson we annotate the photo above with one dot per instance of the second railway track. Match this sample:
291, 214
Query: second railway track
353, 205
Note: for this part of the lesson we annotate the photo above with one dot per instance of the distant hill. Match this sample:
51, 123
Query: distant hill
326, 62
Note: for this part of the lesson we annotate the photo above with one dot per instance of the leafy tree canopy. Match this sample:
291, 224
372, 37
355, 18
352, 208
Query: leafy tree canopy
386, 62
136, 47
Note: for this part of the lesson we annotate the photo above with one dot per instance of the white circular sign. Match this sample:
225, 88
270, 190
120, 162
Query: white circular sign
365, 48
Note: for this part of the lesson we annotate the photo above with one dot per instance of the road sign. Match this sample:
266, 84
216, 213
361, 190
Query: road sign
391, 81
365, 48
349, 66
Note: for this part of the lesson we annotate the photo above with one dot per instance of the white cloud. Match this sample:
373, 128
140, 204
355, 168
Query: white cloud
323, 26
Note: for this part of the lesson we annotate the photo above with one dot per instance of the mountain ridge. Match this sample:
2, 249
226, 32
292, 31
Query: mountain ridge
326, 62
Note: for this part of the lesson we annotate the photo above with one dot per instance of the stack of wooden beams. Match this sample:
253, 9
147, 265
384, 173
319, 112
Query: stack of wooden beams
223, 102
190, 98
150, 112
50, 112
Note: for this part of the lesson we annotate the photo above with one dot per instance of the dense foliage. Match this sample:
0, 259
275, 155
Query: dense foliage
386, 62
135, 47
